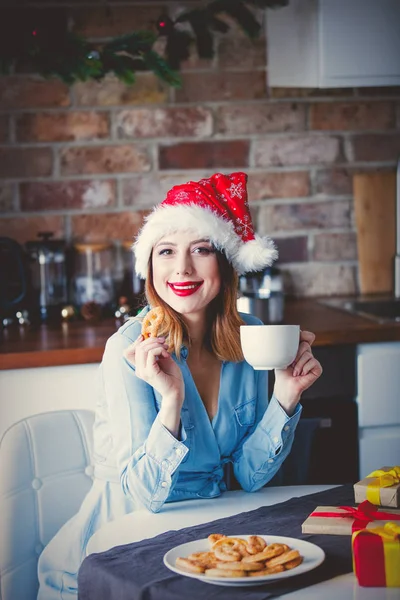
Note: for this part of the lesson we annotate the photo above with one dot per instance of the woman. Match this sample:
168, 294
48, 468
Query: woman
173, 410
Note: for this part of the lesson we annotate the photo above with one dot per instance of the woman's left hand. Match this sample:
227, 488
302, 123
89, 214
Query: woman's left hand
290, 383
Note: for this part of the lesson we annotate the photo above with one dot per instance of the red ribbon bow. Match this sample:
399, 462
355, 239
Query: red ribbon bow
362, 515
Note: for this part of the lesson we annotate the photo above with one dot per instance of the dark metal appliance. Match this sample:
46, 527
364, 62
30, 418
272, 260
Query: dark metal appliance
49, 276
14, 278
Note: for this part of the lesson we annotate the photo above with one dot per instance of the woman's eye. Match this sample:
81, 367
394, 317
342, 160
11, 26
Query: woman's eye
203, 250
164, 252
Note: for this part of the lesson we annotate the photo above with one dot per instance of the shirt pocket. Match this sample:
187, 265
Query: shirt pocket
246, 413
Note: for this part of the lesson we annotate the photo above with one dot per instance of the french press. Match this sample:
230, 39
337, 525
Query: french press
49, 275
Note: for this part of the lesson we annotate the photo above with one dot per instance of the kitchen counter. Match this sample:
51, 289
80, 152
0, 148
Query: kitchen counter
72, 343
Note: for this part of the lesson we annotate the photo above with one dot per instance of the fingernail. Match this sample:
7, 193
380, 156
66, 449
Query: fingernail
161, 339
295, 373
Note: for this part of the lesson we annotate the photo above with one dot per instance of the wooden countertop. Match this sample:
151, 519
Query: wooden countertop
80, 342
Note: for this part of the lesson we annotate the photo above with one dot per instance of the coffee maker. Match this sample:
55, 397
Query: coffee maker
261, 294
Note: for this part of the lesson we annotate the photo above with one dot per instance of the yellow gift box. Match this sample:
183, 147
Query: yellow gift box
376, 556
381, 487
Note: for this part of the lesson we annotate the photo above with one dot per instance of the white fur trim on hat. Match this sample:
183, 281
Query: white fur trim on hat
167, 219
255, 255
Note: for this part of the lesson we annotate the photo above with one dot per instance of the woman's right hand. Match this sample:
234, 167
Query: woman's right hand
155, 366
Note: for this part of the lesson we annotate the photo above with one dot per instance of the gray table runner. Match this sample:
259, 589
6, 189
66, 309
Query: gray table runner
137, 572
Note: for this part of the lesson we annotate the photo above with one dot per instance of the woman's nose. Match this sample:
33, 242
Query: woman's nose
184, 265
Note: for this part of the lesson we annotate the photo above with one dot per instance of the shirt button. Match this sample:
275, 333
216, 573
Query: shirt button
178, 451
270, 460
89, 471
286, 428
164, 484
165, 464
275, 439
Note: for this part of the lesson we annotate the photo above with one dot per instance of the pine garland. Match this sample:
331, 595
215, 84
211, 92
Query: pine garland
41, 39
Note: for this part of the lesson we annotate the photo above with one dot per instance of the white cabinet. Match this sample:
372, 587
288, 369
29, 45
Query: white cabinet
334, 43
378, 400
378, 384
25, 392
379, 447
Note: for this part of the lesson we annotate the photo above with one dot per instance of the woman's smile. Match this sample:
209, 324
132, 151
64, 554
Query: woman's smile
185, 288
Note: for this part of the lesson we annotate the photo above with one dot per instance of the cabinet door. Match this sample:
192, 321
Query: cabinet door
378, 381
25, 392
334, 43
360, 42
379, 447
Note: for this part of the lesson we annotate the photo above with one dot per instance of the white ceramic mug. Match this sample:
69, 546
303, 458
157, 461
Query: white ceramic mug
267, 347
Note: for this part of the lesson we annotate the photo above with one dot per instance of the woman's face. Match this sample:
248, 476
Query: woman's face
186, 272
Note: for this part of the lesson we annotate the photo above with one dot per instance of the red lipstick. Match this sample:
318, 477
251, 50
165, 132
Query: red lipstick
185, 288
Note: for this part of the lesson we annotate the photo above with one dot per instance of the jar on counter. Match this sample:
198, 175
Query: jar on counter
93, 275
136, 284
131, 286
261, 294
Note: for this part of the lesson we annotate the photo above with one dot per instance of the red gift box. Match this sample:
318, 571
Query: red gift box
376, 556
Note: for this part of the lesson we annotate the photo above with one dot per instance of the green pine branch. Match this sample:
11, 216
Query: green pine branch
54, 52
132, 43
154, 62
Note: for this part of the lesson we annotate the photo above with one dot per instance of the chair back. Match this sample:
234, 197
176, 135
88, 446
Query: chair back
45, 472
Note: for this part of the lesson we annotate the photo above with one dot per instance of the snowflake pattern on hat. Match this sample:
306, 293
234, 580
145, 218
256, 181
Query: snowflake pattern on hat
182, 195
236, 190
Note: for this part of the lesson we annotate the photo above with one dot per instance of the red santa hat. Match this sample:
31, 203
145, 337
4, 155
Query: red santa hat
216, 209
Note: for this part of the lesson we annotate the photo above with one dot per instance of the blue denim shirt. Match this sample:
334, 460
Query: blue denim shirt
139, 463
153, 467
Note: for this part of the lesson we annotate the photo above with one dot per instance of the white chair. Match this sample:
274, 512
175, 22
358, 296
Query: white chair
45, 472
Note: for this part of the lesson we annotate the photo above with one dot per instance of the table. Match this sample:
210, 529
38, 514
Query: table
142, 524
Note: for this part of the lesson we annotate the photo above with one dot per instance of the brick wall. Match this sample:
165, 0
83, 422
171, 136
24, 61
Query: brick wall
88, 161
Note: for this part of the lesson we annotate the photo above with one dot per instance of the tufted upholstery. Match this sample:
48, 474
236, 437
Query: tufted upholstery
45, 472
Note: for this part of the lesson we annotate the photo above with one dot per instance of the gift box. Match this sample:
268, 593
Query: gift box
376, 556
344, 520
381, 487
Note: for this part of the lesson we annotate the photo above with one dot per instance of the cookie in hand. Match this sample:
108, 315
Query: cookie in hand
152, 321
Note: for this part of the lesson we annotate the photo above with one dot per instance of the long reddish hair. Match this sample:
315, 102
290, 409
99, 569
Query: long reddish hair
223, 333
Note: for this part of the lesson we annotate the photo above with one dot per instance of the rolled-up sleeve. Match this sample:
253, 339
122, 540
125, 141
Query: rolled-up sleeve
147, 454
263, 451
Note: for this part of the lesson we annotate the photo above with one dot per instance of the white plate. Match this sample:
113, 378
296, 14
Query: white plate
312, 557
